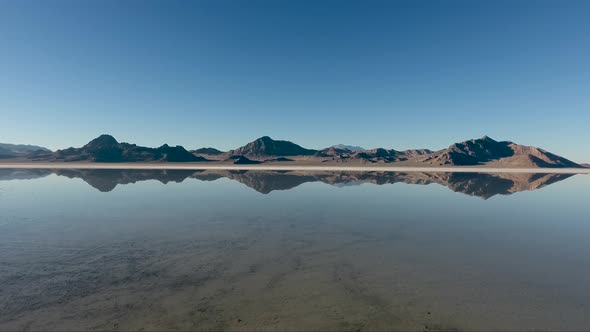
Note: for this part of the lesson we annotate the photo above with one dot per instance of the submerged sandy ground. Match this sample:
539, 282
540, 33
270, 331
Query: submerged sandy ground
209, 256
288, 167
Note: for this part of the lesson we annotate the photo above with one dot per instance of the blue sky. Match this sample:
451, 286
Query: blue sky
396, 74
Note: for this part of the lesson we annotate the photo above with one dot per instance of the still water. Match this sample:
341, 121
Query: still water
211, 250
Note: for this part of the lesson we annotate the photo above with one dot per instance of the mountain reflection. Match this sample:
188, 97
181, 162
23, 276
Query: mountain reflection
484, 185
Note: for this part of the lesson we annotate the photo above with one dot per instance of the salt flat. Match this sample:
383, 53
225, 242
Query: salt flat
206, 166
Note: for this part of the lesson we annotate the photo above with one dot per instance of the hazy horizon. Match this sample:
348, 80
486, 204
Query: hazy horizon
393, 74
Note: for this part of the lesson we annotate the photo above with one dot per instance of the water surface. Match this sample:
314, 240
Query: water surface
124, 249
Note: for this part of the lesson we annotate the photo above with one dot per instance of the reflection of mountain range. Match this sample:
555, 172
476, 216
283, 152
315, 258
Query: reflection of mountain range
23, 174
482, 185
107, 179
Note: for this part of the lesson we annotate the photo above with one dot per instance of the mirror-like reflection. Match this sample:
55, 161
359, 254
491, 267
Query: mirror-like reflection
208, 251
474, 184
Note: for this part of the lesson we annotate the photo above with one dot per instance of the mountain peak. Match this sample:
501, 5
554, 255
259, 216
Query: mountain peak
208, 151
266, 146
487, 138
103, 140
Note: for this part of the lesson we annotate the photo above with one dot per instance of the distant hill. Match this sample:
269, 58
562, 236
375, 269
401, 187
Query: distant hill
585, 165
333, 152
378, 155
351, 148
207, 151
6, 153
266, 146
106, 148
20, 150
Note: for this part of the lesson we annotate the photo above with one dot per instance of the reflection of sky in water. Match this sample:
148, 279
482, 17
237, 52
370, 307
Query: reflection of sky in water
528, 249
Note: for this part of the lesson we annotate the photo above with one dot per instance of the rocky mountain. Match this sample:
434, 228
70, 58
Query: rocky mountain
352, 148
333, 152
486, 151
378, 155
483, 151
207, 151
266, 146
106, 148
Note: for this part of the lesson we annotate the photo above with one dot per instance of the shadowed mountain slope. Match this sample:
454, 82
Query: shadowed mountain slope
266, 146
208, 151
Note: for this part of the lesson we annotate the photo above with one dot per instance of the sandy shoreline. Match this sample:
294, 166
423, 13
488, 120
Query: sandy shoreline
201, 166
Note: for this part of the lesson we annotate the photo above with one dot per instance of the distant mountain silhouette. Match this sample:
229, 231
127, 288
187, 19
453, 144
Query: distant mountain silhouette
21, 150
474, 184
266, 146
207, 151
6, 153
105, 148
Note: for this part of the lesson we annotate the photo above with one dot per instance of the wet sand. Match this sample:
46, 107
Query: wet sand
290, 167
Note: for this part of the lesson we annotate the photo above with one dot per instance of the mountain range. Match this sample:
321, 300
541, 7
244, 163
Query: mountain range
106, 148
480, 151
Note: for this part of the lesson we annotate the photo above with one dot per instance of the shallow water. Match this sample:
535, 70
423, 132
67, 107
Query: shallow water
154, 250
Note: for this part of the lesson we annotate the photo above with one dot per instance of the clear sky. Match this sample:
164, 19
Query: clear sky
394, 74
